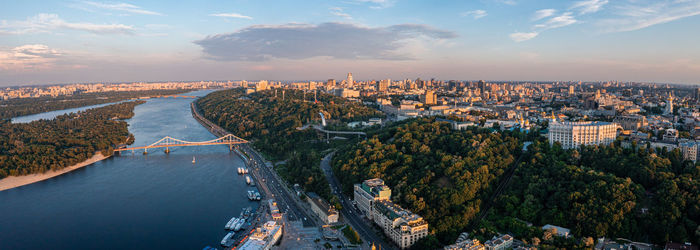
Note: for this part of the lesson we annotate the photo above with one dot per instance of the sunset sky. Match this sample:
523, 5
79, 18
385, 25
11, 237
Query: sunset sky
49, 42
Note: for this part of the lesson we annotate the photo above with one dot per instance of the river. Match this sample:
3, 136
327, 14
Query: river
133, 201
53, 114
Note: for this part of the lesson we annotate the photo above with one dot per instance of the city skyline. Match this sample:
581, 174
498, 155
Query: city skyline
508, 40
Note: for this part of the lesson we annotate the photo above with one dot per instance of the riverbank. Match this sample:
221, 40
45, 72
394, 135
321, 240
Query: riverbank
18, 181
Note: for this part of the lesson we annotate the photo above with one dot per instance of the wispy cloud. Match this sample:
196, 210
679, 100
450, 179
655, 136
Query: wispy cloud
29, 56
334, 40
562, 20
337, 11
543, 13
559, 21
637, 15
523, 36
588, 6
508, 2
49, 22
378, 4
123, 7
476, 14
232, 15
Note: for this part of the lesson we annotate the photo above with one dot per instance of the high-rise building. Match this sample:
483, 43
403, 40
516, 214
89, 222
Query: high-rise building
575, 134
330, 83
571, 89
349, 81
669, 105
697, 94
383, 85
429, 98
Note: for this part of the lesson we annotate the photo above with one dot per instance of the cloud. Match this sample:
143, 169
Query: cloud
29, 56
639, 15
559, 21
301, 41
231, 15
562, 20
543, 13
378, 4
508, 2
476, 14
588, 6
49, 22
337, 11
124, 7
523, 36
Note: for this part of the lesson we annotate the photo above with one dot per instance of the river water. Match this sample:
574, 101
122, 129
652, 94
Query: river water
133, 201
53, 114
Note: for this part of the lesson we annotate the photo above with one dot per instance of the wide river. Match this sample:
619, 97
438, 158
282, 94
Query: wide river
156, 201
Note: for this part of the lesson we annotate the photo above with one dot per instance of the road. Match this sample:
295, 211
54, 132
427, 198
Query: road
271, 184
287, 201
350, 214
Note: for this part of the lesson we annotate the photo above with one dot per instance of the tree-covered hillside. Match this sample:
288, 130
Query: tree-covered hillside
441, 174
271, 124
448, 176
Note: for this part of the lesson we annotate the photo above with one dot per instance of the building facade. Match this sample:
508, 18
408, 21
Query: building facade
575, 134
402, 226
321, 208
368, 192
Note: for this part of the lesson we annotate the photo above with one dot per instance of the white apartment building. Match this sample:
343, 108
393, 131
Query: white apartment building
402, 226
368, 192
689, 150
575, 134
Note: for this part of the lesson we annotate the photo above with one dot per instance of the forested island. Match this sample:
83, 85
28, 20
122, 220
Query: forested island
270, 121
29, 106
43, 145
447, 176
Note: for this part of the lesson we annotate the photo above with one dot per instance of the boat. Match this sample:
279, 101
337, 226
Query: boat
239, 225
247, 179
230, 223
233, 224
224, 241
193, 160
251, 195
257, 196
245, 170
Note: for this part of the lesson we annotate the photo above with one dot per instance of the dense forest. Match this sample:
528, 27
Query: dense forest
28, 106
270, 122
597, 191
441, 174
43, 145
447, 177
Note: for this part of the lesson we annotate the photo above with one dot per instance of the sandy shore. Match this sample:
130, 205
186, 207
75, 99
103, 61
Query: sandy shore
16, 181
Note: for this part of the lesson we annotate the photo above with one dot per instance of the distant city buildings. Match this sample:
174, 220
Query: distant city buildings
575, 134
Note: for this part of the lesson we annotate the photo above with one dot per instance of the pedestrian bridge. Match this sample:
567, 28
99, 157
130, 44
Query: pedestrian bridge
168, 142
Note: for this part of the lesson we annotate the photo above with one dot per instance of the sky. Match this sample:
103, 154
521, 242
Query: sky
50, 42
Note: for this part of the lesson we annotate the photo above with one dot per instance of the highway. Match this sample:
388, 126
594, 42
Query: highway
287, 201
350, 214
264, 176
